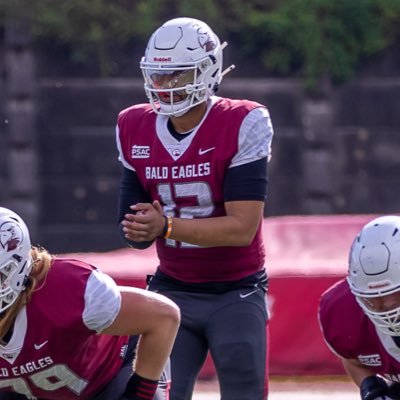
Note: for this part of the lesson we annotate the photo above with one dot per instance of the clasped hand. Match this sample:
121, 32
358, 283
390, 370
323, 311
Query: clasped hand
145, 223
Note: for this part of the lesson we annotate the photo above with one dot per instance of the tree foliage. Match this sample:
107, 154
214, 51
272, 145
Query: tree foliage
320, 38
313, 39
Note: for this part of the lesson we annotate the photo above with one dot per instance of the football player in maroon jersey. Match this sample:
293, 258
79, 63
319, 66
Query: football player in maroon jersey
360, 315
194, 180
67, 331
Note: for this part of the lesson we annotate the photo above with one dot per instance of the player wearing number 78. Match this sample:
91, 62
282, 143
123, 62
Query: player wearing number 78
67, 331
194, 180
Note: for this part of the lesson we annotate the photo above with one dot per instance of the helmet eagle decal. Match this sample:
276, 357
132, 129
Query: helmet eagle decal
10, 235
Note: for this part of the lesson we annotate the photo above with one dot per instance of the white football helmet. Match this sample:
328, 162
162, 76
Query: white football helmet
374, 269
15, 257
182, 66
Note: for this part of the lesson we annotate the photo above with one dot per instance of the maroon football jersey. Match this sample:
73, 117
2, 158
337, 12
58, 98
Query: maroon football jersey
351, 334
187, 177
60, 357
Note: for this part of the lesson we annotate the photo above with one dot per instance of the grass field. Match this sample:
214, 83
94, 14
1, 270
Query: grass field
293, 388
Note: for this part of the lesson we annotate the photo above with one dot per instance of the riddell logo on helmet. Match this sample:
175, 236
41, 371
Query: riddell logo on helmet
162, 59
378, 285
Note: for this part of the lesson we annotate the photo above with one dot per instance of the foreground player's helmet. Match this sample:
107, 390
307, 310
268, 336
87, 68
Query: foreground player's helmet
15, 257
374, 269
182, 66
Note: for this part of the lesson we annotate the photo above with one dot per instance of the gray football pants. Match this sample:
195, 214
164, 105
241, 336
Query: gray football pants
232, 325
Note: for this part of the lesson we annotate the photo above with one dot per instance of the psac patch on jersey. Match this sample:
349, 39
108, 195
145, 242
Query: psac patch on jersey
140, 151
123, 351
372, 360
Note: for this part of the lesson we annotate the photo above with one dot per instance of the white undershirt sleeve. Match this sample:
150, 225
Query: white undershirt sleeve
102, 301
255, 137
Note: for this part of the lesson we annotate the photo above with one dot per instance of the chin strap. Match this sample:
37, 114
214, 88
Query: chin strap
231, 67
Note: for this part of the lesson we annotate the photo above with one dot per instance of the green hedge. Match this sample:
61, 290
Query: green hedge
313, 39
321, 38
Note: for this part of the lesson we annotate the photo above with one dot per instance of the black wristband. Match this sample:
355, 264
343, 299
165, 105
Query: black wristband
394, 390
165, 229
372, 387
139, 388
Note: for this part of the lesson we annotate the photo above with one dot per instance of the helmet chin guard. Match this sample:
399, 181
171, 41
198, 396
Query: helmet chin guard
374, 270
182, 66
15, 257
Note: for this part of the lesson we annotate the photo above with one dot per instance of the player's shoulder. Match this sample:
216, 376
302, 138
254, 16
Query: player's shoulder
69, 269
335, 296
338, 306
64, 285
343, 323
135, 111
236, 105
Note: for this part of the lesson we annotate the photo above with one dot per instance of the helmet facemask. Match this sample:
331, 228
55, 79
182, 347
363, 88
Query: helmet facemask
13, 279
387, 322
173, 90
15, 257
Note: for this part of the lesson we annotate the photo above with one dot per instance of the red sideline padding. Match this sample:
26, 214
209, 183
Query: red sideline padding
305, 255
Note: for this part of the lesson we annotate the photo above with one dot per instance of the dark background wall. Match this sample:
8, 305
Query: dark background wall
337, 153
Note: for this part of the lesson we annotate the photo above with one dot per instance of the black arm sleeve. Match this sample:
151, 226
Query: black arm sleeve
247, 181
131, 192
